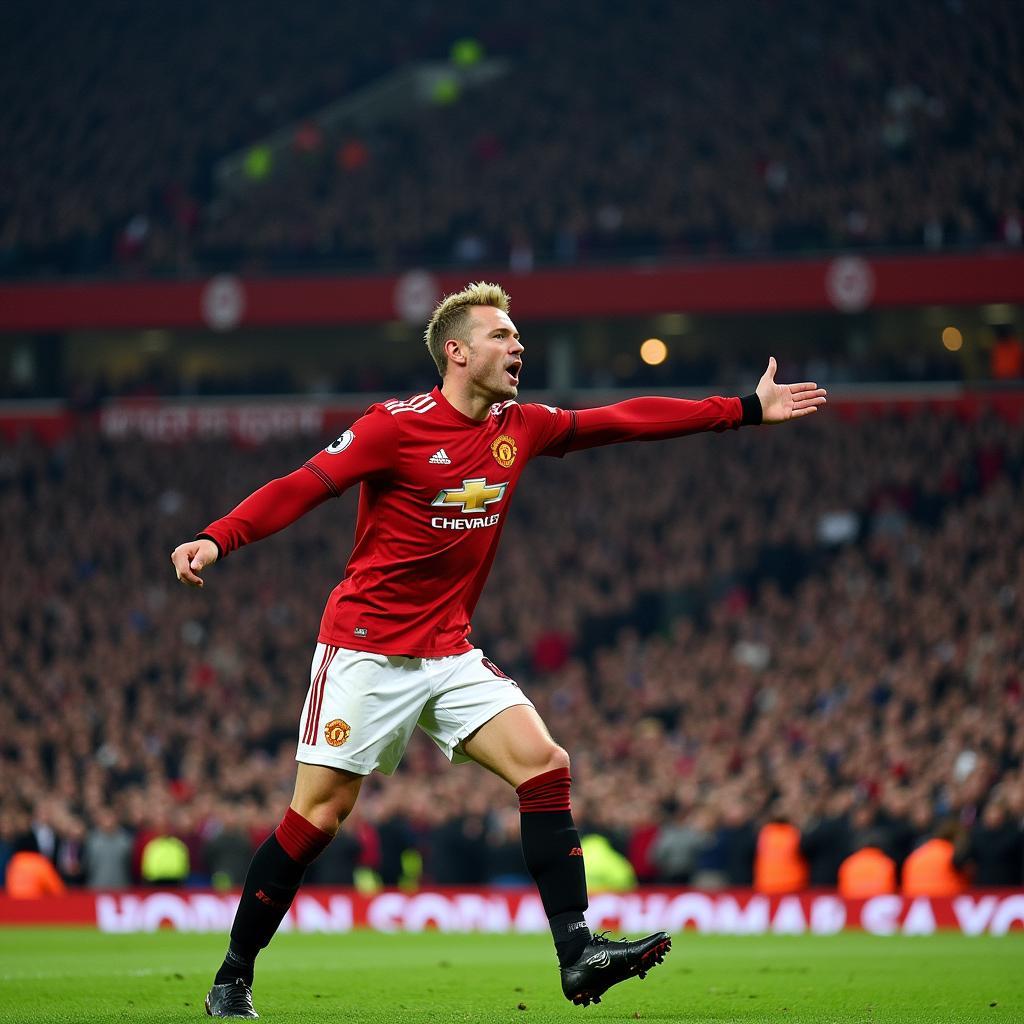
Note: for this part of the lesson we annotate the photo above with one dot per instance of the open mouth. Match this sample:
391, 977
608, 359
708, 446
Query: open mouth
513, 372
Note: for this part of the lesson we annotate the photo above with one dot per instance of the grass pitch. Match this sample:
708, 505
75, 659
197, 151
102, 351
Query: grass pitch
78, 975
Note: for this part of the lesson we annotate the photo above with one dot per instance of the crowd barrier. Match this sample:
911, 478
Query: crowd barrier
733, 912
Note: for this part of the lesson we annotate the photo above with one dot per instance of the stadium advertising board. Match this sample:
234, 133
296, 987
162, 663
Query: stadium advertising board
847, 283
735, 912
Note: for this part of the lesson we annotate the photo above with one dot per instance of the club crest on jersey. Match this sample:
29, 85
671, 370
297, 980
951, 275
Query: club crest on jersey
473, 496
336, 732
504, 449
341, 444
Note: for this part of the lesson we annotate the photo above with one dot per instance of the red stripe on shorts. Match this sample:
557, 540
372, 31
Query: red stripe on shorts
320, 696
307, 732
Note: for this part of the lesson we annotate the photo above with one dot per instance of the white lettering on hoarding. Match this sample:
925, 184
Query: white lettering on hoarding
251, 424
973, 918
310, 915
384, 914
500, 912
880, 915
828, 915
750, 920
692, 907
789, 917
919, 920
1011, 911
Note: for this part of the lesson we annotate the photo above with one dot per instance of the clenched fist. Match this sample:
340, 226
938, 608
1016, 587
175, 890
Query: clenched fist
191, 558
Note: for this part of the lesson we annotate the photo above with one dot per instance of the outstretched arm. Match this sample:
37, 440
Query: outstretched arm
273, 507
365, 450
654, 419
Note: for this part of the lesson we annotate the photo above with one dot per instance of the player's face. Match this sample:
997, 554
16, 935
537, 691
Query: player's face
495, 355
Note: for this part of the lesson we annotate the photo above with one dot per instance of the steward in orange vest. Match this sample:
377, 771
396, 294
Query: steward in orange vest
929, 870
779, 866
866, 873
29, 874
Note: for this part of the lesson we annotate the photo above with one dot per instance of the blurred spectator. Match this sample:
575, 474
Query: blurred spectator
607, 869
779, 866
893, 668
738, 839
505, 863
679, 844
70, 855
337, 864
868, 871
1007, 359
163, 857
930, 870
30, 875
729, 152
897, 834
993, 850
108, 850
827, 840
228, 849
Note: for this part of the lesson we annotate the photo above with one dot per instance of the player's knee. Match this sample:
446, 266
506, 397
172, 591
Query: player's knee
328, 812
329, 815
558, 757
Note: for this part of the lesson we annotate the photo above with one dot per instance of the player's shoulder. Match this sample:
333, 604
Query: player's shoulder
525, 410
414, 405
507, 409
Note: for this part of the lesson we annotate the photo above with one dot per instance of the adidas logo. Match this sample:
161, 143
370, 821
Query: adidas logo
440, 458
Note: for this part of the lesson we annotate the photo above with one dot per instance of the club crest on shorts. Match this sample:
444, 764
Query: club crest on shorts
336, 732
504, 449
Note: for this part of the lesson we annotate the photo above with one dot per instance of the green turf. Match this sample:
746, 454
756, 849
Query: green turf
70, 975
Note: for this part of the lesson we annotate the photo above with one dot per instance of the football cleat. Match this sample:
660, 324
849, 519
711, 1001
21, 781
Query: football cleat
605, 962
233, 999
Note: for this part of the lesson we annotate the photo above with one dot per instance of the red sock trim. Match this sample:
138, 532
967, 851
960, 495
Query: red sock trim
301, 839
548, 791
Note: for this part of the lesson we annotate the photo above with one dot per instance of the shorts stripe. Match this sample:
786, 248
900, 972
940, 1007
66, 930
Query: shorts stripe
320, 695
315, 692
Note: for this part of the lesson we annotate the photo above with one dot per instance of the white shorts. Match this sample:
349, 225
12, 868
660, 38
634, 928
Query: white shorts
361, 708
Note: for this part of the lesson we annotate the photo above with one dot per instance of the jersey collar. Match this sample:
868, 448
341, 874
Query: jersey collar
459, 417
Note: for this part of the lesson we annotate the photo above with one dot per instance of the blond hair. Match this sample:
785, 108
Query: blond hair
451, 317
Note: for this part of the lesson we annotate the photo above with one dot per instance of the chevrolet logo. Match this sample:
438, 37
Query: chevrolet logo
473, 496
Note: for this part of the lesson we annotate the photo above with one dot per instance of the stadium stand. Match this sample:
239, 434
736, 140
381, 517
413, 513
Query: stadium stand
618, 132
724, 631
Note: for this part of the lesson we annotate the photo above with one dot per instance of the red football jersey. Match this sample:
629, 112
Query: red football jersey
436, 488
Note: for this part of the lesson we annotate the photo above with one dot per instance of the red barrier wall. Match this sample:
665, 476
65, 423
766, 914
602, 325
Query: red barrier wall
846, 283
737, 912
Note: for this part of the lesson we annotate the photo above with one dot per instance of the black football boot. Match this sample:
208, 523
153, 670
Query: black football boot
233, 999
604, 963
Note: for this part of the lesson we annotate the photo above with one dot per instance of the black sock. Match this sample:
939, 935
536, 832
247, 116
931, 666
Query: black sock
270, 886
551, 848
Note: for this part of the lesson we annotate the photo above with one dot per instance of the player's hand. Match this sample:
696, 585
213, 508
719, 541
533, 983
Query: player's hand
781, 402
191, 558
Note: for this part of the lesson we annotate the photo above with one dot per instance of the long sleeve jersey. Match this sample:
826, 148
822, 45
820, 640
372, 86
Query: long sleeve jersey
435, 492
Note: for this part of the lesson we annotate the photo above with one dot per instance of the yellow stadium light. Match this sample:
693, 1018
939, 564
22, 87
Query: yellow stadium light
952, 339
654, 351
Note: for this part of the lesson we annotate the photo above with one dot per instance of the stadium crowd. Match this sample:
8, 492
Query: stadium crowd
818, 629
660, 129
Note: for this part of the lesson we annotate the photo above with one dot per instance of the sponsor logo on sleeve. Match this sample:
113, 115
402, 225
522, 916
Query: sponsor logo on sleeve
341, 444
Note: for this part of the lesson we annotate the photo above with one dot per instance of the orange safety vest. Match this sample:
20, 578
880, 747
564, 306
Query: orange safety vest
779, 866
929, 871
30, 876
867, 873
